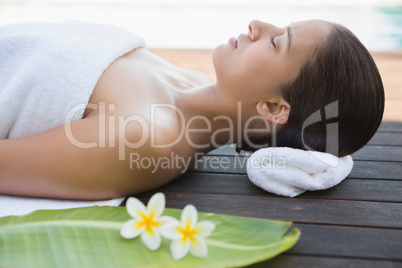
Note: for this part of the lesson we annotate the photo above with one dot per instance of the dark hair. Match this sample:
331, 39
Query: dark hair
337, 99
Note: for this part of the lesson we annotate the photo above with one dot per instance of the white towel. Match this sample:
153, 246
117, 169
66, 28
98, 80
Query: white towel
14, 205
290, 172
48, 68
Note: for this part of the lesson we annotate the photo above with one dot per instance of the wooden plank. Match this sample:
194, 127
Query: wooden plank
226, 150
377, 170
364, 190
344, 241
379, 153
235, 184
303, 210
387, 126
368, 152
221, 164
237, 165
288, 260
213, 184
386, 138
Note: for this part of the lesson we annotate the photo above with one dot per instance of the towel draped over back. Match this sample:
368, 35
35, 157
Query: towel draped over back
46, 69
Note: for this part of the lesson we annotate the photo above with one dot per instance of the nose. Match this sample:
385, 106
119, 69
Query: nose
256, 28
253, 29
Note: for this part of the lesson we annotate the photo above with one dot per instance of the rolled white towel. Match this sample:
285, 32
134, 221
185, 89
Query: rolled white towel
290, 172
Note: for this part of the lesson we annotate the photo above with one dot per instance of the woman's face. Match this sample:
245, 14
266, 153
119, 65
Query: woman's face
254, 65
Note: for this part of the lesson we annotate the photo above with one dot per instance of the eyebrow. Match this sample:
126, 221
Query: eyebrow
289, 38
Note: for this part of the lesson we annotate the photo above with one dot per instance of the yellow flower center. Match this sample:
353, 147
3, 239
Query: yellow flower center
148, 222
187, 232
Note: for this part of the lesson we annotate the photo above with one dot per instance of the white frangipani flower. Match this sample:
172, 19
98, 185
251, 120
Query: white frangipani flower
146, 221
187, 234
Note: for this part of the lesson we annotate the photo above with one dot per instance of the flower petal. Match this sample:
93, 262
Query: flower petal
167, 219
156, 205
171, 230
199, 248
189, 216
151, 239
136, 208
179, 248
131, 229
204, 228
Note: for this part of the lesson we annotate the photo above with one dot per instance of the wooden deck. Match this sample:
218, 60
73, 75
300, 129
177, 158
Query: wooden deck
357, 223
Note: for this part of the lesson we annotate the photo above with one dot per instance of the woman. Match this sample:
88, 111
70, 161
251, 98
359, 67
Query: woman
271, 85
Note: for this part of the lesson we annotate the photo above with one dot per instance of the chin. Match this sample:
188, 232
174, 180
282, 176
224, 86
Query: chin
219, 54
216, 51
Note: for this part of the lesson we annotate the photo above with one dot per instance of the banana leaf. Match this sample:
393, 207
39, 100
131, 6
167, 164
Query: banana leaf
90, 237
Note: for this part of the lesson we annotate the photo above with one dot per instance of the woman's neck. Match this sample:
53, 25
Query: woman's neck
205, 122
210, 121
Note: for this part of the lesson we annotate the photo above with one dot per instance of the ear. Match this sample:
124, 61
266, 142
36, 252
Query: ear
275, 112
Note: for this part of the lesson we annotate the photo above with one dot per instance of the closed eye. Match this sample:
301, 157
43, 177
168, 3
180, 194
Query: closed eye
273, 41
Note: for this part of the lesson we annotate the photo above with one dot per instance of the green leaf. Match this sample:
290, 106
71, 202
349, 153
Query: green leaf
90, 237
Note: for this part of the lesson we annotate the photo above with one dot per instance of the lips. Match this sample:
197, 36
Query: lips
233, 42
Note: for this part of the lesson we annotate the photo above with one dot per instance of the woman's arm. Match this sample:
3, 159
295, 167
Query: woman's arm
49, 165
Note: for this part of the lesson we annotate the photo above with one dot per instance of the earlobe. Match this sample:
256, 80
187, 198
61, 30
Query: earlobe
263, 110
277, 113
